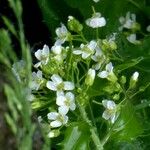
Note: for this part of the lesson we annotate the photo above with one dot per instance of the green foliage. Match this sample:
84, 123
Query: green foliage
77, 137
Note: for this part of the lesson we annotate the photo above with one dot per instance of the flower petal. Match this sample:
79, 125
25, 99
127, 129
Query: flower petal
60, 100
77, 52
70, 96
113, 118
51, 85
106, 115
63, 110
45, 51
56, 79
55, 124
72, 106
52, 115
103, 74
111, 105
109, 67
38, 54
68, 85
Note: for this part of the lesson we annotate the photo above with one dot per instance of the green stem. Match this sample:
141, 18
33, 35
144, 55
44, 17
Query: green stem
94, 135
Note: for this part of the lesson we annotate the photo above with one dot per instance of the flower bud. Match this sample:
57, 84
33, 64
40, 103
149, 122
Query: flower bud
90, 77
134, 79
123, 79
53, 133
74, 25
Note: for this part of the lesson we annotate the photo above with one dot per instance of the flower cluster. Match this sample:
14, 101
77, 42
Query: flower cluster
129, 22
68, 73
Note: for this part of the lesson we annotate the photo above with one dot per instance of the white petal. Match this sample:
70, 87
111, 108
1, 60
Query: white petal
72, 106
85, 55
111, 105
70, 96
65, 119
132, 38
52, 86
39, 74
68, 85
52, 115
57, 49
38, 54
37, 65
106, 115
109, 67
60, 100
96, 22
113, 118
56, 79
77, 52
103, 74
56, 124
63, 110
45, 51
104, 102
92, 45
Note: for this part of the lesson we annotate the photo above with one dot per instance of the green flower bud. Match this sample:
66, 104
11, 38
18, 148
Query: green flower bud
123, 79
90, 77
133, 80
136, 27
74, 25
53, 133
113, 45
116, 97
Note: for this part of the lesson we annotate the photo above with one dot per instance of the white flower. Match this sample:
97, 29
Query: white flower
110, 112
42, 56
148, 28
132, 39
98, 57
135, 76
106, 73
90, 77
59, 118
128, 21
96, 21
57, 84
86, 50
57, 49
37, 80
62, 34
66, 101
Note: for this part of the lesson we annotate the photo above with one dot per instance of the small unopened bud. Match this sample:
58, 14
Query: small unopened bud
74, 24
123, 79
135, 76
53, 133
90, 77
133, 80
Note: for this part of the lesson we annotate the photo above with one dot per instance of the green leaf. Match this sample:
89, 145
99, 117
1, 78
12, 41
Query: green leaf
77, 137
127, 65
128, 126
10, 26
11, 123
